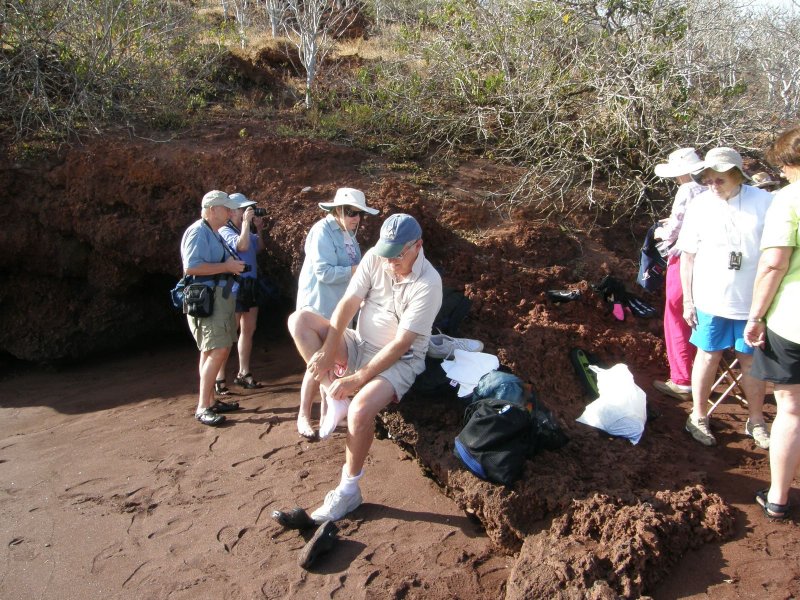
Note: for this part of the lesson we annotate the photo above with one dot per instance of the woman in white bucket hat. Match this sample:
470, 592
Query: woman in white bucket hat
720, 248
332, 255
680, 353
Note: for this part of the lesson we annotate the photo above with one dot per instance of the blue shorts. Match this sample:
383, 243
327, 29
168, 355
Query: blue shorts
718, 333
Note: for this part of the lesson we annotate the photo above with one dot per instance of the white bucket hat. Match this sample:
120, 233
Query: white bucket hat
682, 161
349, 197
724, 159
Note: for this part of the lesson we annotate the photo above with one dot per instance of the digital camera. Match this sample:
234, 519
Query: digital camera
259, 212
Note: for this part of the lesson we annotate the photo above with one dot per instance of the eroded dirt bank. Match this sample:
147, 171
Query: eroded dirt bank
91, 242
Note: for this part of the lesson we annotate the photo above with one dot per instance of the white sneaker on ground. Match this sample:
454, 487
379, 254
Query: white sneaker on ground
701, 431
337, 505
443, 346
759, 433
670, 388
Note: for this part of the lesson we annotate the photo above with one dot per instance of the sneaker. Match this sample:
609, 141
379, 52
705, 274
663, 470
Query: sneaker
701, 431
759, 433
336, 506
670, 388
443, 346
209, 417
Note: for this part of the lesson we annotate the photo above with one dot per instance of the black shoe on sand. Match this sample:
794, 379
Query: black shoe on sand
323, 540
297, 518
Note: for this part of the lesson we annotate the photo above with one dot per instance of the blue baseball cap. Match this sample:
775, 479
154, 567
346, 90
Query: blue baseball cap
397, 231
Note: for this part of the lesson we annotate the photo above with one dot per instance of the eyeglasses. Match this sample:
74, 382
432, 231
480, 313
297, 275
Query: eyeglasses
714, 181
404, 253
349, 212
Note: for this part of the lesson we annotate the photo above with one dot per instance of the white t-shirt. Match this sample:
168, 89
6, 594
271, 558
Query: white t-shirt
411, 304
712, 229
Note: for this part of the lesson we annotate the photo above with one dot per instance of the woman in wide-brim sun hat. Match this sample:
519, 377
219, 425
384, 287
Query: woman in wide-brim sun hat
720, 249
680, 165
332, 255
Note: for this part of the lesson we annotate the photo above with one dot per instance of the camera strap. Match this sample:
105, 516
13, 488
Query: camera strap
226, 291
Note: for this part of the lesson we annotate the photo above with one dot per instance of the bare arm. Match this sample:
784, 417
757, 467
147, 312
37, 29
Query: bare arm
387, 356
323, 360
772, 267
243, 243
217, 268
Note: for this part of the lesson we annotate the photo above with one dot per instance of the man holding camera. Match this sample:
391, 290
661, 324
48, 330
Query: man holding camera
209, 261
238, 234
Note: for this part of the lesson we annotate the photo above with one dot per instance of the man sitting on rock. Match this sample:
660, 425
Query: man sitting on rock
399, 294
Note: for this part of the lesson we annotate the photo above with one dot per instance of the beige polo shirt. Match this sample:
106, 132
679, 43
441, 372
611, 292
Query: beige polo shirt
411, 303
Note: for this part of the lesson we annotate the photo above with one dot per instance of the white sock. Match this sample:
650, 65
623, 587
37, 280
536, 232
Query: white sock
335, 412
348, 485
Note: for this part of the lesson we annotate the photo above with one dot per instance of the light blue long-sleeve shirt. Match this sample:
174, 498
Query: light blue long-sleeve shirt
327, 267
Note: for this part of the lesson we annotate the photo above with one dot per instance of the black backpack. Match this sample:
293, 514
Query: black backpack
496, 440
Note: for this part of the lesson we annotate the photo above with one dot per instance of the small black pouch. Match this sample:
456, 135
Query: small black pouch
198, 300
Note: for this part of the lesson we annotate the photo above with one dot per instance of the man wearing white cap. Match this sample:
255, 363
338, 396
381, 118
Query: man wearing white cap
399, 294
720, 249
209, 261
680, 353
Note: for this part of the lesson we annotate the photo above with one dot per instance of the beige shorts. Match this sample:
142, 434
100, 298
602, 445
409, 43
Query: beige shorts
218, 330
400, 375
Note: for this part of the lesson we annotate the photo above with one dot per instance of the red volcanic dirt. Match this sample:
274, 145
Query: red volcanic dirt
91, 244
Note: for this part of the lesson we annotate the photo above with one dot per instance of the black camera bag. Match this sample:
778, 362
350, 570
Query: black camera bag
198, 300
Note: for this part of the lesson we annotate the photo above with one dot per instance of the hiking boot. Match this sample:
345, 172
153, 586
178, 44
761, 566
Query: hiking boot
337, 505
701, 431
443, 346
670, 388
759, 433
322, 541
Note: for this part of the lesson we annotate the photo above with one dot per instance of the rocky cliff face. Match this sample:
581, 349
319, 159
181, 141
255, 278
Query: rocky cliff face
90, 239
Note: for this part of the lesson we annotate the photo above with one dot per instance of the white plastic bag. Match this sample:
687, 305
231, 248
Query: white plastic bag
621, 408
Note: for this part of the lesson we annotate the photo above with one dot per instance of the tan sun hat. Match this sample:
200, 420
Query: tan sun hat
724, 159
762, 179
349, 197
682, 161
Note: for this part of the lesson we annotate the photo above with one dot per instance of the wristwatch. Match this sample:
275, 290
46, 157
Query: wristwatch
755, 320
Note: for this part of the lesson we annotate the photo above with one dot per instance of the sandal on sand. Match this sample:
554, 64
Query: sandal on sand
221, 388
220, 407
209, 417
247, 382
304, 428
777, 512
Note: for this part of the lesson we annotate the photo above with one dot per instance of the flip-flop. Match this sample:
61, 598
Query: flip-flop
558, 296
580, 361
776, 512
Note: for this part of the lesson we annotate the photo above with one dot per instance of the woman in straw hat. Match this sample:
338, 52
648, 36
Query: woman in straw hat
680, 353
332, 255
719, 245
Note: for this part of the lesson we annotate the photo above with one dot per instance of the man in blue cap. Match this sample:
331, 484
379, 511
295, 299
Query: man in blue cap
362, 371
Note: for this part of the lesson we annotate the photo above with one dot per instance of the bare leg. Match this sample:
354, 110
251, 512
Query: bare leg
366, 404
210, 362
784, 450
704, 373
754, 389
309, 390
247, 328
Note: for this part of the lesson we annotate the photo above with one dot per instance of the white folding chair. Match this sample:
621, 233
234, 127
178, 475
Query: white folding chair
729, 381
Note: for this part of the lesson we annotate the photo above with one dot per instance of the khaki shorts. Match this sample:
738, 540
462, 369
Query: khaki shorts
400, 375
218, 330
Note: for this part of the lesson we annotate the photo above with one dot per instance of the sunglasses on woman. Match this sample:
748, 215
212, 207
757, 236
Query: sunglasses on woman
351, 212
